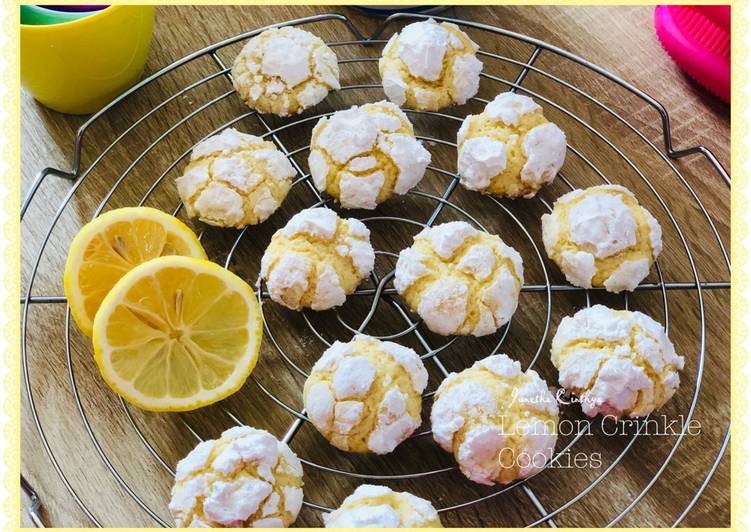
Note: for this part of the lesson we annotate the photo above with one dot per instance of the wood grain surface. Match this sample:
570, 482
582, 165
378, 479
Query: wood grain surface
86, 422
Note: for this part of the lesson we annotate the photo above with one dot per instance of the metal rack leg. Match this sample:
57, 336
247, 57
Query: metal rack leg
35, 507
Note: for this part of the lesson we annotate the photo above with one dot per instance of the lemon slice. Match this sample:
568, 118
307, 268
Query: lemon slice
112, 244
177, 333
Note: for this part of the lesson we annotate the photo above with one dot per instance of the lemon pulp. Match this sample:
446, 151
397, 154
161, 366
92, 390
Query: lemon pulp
112, 244
177, 333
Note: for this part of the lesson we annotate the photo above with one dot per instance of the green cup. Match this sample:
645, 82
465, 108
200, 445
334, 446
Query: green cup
41, 16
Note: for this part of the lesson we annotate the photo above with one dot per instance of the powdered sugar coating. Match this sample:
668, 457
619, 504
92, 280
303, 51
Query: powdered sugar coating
460, 280
465, 80
627, 275
655, 233
353, 377
601, 236
422, 46
545, 149
245, 478
479, 261
363, 155
347, 133
407, 359
443, 306
446, 238
234, 179
480, 159
509, 107
360, 192
460, 402
510, 149
328, 290
620, 363
411, 268
316, 260
409, 156
429, 66
394, 423
365, 395
379, 507
224, 143
602, 222
319, 222
503, 366
579, 267
498, 421
284, 71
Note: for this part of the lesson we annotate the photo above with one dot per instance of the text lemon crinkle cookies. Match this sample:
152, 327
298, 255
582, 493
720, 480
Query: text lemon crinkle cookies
365, 155
428, 66
366, 395
380, 507
284, 71
601, 236
510, 149
498, 421
460, 280
234, 179
246, 478
618, 362
317, 259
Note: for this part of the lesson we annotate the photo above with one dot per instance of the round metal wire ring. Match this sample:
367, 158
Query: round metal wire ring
300, 415
380, 291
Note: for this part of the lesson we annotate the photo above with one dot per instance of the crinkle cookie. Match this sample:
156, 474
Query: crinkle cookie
619, 362
460, 280
428, 66
499, 422
234, 179
365, 155
601, 236
317, 259
366, 395
246, 478
380, 507
284, 71
510, 149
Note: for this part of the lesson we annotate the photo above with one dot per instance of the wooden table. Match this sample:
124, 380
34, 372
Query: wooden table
620, 39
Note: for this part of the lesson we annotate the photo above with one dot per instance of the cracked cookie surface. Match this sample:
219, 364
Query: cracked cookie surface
246, 478
316, 260
379, 507
366, 395
460, 280
510, 149
234, 179
364, 155
601, 237
619, 362
284, 71
429, 66
499, 422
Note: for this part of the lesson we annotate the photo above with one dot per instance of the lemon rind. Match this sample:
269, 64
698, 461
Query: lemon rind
110, 302
94, 227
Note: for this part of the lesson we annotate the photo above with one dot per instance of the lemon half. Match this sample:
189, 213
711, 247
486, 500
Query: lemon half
177, 333
112, 244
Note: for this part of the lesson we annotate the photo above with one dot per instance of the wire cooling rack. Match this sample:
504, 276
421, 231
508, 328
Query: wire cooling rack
544, 62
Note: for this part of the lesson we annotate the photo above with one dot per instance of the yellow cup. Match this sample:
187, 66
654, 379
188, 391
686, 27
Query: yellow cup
77, 67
